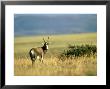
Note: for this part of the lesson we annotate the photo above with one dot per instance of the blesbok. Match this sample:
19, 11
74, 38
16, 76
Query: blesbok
38, 53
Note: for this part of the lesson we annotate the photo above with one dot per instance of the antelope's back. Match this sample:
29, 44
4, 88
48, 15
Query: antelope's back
38, 50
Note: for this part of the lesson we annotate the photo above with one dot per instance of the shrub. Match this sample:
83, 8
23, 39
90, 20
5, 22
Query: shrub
78, 51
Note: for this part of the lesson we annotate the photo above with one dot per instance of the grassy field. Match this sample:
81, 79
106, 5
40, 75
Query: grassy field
52, 66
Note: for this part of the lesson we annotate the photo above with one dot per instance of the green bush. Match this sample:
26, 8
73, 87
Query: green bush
78, 51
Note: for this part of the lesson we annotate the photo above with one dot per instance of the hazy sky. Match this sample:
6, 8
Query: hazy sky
38, 24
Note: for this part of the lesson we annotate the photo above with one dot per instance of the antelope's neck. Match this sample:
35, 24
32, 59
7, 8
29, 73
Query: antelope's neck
44, 48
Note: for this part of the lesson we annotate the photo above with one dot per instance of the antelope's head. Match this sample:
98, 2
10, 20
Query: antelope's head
45, 44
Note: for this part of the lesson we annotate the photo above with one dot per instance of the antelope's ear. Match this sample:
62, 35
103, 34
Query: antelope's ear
49, 42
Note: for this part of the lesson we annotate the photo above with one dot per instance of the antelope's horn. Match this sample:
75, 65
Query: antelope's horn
48, 38
43, 40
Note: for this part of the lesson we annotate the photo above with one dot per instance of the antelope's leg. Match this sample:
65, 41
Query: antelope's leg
33, 62
42, 58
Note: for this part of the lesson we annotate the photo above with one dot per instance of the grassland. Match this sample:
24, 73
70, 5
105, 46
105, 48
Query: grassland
52, 66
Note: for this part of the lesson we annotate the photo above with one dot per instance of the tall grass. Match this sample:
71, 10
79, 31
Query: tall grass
82, 66
52, 66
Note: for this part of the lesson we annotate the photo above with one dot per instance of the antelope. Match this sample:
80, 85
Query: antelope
38, 52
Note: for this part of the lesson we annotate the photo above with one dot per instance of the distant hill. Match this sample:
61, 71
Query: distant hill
38, 24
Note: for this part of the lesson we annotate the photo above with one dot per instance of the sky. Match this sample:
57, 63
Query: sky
48, 24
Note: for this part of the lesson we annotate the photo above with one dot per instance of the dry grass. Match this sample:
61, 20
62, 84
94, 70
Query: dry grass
81, 66
52, 66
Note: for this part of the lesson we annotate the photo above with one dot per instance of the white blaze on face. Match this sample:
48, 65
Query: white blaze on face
47, 47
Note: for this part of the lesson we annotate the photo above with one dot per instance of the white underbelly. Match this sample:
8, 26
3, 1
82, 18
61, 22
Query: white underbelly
38, 57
